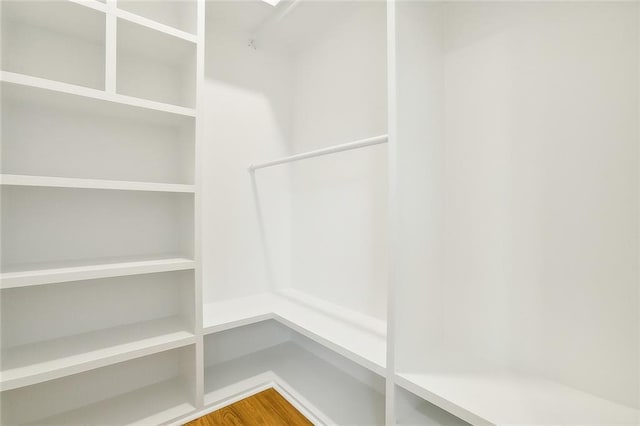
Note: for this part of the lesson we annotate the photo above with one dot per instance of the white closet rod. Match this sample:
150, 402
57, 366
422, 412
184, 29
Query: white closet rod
324, 151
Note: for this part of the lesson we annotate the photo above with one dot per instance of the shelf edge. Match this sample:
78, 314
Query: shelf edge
59, 275
92, 364
87, 92
156, 26
63, 182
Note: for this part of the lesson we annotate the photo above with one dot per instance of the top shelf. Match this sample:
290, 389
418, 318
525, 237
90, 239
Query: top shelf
174, 18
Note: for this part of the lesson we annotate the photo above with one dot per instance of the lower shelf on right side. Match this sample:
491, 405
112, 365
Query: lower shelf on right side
482, 394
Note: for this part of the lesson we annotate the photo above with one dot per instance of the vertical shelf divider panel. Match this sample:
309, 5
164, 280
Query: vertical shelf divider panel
111, 41
198, 217
393, 220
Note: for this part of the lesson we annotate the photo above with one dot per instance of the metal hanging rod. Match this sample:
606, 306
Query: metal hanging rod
324, 151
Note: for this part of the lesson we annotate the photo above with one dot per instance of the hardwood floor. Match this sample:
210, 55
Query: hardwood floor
266, 408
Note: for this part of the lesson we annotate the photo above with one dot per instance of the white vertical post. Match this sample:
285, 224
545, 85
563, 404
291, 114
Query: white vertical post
638, 60
392, 154
197, 207
111, 41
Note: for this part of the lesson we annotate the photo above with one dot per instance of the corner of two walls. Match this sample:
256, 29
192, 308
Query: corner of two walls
323, 221
247, 120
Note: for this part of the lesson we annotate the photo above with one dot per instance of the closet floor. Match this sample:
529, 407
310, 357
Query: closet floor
265, 408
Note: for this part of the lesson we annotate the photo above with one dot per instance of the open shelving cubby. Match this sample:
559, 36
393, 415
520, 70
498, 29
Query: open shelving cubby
154, 389
155, 65
363, 343
266, 354
80, 137
41, 340
61, 41
56, 226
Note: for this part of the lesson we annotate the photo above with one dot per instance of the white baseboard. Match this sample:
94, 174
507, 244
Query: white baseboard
246, 388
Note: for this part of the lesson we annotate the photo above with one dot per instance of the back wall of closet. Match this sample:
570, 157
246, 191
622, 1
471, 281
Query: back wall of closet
319, 225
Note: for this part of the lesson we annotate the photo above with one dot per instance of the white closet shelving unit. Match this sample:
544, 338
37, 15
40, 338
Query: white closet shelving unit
393, 212
100, 272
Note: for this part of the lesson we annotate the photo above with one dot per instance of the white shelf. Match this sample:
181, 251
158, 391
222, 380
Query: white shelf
180, 16
364, 346
370, 324
40, 274
92, 4
140, 20
151, 405
38, 362
156, 26
308, 375
85, 92
225, 315
413, 410
481, 394
62, 182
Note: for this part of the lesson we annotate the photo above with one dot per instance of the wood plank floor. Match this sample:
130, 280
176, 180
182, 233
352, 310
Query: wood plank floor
267, 408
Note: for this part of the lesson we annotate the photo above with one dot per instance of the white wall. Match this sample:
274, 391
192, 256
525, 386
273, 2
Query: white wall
247, 119
323, 222
339, 202
539, 190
